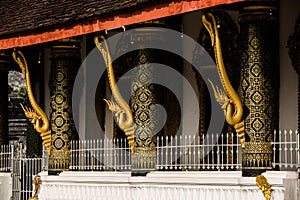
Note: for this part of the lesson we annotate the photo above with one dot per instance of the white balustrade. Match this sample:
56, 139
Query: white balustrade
163, 186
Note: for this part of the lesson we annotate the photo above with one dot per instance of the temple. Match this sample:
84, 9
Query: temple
150, 99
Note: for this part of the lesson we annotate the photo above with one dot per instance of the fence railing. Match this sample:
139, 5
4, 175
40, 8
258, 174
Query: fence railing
100, 154
6, 157
286, 150
13, 159
214, 152
22, 175
182, 152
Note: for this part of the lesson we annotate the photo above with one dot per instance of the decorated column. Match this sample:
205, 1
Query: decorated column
144, 158
4, 66
145, 95
148, 119
259, 85
143, 99
65, 62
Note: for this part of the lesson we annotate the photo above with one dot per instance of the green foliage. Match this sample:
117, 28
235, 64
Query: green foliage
22, 92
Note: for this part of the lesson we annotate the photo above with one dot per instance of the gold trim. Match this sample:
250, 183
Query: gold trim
65, 47
260, 8
264, 168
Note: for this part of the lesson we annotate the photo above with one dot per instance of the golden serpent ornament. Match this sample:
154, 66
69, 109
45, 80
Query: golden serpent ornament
36, 182
230, 101
264, 186
120, 108
36, 114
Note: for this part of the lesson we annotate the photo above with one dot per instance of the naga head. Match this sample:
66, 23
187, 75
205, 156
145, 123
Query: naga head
210, 24
30, 113
20, 59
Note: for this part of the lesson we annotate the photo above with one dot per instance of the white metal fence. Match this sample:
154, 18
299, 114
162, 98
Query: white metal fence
6, 158
215, 152
101, 154
23, 169
286, 150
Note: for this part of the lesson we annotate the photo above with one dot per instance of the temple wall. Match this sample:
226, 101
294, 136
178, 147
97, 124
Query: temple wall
289, 11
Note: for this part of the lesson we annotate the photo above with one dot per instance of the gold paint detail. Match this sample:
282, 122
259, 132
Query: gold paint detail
36, 182
230, 101
259, 88
258, 155
260, 8
120, 108
143, 99
264, 186
36, 114
144, 158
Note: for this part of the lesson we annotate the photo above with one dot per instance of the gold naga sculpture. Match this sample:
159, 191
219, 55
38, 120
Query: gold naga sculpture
120, 108
230, 102
36, 182
36, 114
264, 186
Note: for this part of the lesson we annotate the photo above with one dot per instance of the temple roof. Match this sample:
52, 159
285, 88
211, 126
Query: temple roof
28, 22
20, 16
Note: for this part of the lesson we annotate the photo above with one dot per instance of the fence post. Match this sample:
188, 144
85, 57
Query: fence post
298, 150
20, 156
298, 160
12, 158
45, 158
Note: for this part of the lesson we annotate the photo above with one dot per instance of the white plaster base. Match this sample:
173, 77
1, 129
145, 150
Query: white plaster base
162, 185
5, 186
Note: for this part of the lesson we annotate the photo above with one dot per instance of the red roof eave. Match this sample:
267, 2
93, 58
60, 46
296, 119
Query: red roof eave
150, 13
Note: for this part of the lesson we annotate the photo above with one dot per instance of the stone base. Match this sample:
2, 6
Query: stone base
165, 185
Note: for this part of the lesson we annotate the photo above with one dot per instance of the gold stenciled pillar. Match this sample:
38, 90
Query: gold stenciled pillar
4, 66
143, 100
259, 85
65, 62
144, 158
145, 94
